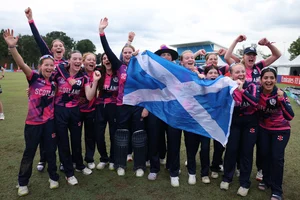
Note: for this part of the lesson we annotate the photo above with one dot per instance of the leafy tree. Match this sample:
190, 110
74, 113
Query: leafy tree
68, 41
28, 49
3, 47
98, 58
85, 45
294, 49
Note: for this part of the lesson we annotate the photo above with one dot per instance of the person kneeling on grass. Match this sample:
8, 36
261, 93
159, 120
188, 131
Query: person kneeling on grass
39, 125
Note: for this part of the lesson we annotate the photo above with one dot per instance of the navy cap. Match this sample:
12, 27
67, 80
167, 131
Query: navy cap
250, 50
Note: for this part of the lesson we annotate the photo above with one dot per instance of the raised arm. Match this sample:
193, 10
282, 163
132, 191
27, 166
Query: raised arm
90, 90
115, 62
222, 52
199, 52
229, 53
275, 52
11, 42
130, 39
38, 38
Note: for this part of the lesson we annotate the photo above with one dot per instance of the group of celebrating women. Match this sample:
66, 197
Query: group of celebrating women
63, 96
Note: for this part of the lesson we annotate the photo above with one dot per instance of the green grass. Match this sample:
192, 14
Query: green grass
106, 184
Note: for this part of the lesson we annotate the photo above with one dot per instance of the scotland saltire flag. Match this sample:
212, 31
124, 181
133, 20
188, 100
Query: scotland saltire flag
178, 97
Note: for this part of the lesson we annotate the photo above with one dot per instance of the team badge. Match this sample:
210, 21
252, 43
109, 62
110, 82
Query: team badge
78, 82
62, 81
53, 135
272, 102
252, 130
255, 71
115, 79
279, 137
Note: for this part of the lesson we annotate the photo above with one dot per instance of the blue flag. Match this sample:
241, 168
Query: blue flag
178, 97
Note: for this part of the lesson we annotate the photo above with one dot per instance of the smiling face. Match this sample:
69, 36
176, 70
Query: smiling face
127, 53
106, 62
212, 74
238, 72
268, 81
89, 62
212, 59
249, 59
58, 49
47, 67
187, 59
75, 62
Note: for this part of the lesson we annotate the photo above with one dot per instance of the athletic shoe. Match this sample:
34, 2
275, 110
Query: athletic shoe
121, 171
192, 179
162, 161
41, 166
152, 176
72, 180
61, 167
85, 171
139, 173
259, 175
111, 166
262, 186
224, 185
221, 168
214, 174
237, 173
242, 191
53, 184
129, 158
148, 163
1, 116
101, 165
175, 181
23, 190
205, 179
91, 165
276, 197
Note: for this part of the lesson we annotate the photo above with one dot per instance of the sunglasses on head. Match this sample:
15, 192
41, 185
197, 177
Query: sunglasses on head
46, 56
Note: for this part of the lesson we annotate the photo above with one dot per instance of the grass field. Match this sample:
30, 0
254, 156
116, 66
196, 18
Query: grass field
106, 184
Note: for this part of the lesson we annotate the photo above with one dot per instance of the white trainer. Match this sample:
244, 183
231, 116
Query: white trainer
242, 191
23, 190
139, 173
53, 184
224, 185
259, 175
152, 176
175, 181
192, 179
221, 168
72, 180
205, 179
185, 163
162, 161
85, 171
101, 165
214, 174
129, 158
91, 165
148, 163
121, 171
41, 166
2, 116
111, 166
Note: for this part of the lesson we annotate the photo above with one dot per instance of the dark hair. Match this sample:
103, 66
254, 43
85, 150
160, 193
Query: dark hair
209, 54
209, 67
103, 73
268, 69
72, 52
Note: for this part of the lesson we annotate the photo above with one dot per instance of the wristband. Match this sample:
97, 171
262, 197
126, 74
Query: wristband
11, 47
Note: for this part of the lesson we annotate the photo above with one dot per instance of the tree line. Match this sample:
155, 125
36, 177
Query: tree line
31, 53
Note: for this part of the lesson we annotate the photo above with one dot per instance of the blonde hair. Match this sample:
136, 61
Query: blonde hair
184, 52
86, 55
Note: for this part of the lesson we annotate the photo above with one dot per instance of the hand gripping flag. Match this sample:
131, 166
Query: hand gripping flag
178, 97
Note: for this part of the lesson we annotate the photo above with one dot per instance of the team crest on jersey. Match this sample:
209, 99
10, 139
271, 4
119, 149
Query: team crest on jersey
123, 76
62, 81
78, 82
272, 102
255, 71
279, 137
115, 79
252, 130
53, 135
